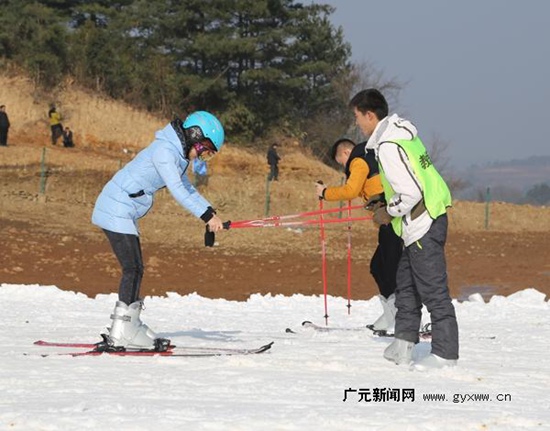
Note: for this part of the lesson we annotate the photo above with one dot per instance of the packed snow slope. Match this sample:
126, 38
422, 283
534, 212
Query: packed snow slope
307, 381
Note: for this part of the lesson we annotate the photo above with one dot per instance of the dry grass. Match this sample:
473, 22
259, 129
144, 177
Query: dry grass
237, 186
94, 119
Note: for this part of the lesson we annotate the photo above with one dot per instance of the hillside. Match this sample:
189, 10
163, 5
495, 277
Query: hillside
508, 181
48, 239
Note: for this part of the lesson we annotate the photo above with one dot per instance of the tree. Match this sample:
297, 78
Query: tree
260, 64
33, 36
539, 194
437, 149
337, 121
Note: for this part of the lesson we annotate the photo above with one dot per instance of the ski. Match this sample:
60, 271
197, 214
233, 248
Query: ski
64, 344
308, 324
93, 345
424, 334
173, 351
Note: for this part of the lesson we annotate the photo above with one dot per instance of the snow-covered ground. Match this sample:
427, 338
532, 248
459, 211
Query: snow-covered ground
502, 381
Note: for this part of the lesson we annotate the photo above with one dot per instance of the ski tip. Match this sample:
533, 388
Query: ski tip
265, 347
306, 323
290, 331
39, 342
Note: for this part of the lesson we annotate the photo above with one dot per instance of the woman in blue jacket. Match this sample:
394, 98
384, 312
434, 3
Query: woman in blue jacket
128, 196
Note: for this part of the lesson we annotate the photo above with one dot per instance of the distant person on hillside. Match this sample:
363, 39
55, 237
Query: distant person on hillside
68, 138
363, 180
273, 162
128, 196
55, 124
417, 200
4, 126
200, 169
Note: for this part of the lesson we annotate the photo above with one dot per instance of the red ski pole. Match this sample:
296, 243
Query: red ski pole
275, 218
259, 223
323, 254
349, 258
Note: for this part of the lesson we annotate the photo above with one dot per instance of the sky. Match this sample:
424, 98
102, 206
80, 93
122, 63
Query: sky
500, 383
476, 73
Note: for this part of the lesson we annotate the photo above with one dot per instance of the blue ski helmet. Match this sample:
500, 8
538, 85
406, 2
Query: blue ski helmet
210, 128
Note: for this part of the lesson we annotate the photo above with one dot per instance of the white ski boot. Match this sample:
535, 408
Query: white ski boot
399, 351
129, 332
385, 324
433, 362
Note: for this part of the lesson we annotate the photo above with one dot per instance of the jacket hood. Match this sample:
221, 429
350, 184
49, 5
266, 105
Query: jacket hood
389, 129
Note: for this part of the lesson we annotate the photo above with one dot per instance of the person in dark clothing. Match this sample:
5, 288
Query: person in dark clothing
273, 162
68, 138
200, 169
4, 126
363, 180
55, 124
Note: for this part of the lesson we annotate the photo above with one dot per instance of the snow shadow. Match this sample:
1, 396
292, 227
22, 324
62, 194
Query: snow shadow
204, 335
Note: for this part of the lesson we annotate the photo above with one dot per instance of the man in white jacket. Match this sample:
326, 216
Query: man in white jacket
417, 200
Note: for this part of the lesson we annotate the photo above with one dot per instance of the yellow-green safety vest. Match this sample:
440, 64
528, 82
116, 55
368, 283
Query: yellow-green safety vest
436, 194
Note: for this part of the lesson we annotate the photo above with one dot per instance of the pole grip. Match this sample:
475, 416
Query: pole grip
210, 237
322, 183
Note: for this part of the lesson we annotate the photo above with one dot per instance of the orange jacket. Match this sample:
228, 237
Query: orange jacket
363, 179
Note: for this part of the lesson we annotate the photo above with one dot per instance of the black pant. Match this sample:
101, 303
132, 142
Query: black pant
127, 249
57, 132
422, 279
273, 173
3, 137
201, 180
384, 262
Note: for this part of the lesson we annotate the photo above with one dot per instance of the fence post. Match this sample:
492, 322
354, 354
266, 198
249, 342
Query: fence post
267, 196
487, 200
43, 171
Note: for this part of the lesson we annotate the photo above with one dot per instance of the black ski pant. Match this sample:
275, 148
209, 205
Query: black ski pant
57, 132
422, 279
3, 136
273, 173
384, 262
127, 249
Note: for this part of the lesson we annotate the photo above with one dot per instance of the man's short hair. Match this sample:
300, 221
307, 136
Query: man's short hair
344, 142
370, 100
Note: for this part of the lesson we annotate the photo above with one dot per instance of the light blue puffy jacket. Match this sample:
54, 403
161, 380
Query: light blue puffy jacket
160, 164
